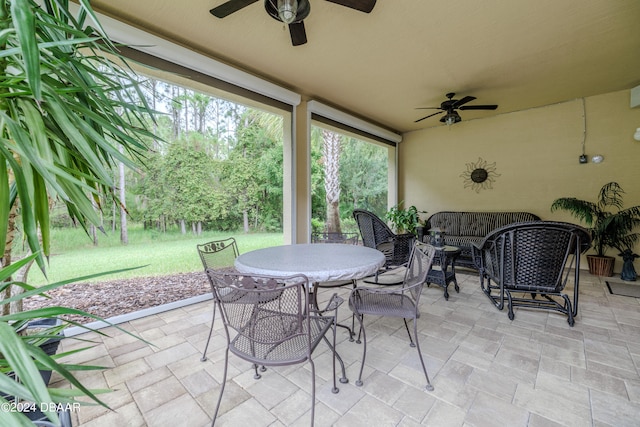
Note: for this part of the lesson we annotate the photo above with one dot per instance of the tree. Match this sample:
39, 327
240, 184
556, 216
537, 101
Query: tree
188, 181
362, 178
363, 174
331, 151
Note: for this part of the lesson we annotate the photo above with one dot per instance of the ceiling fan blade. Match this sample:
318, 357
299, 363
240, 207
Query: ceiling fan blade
226, 9
462, 101
365, 6
428, 108
298, 34
430, 115
479, 107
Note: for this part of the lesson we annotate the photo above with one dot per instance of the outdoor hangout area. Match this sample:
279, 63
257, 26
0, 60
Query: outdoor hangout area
320, 212
485, 369
321, 332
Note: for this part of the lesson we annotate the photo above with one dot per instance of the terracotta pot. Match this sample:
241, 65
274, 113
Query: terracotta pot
601, 265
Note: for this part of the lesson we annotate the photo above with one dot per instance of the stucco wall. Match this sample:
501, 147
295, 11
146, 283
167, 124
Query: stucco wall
536, 158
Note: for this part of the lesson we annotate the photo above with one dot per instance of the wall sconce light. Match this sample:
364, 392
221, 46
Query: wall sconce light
597, 158
636, 135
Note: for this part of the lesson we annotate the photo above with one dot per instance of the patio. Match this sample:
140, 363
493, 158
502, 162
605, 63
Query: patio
487, 370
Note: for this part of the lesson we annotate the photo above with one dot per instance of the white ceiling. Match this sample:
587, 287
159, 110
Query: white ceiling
405, 54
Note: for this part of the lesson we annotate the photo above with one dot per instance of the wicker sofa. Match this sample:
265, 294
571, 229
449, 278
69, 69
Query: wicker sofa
462, 229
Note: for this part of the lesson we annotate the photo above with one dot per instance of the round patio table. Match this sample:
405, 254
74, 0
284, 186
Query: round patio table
319, 262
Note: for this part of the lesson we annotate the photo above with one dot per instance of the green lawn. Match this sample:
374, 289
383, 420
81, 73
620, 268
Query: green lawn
156, 253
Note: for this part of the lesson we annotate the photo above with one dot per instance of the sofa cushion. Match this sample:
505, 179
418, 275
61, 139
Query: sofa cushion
477, 224
448, 222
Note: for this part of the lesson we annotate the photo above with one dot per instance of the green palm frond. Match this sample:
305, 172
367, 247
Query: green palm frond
22, 356
611, 226
68, 101
68, 104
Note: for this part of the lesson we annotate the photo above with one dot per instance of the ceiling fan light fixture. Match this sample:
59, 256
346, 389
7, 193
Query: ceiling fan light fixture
287, 10
451, 118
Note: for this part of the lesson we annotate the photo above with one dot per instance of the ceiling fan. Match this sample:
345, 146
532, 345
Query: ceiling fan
451, 105
290, 12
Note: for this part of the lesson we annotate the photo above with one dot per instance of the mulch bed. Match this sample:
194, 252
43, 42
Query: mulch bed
112, 298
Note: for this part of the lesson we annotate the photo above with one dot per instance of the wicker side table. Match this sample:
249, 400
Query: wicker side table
443, 270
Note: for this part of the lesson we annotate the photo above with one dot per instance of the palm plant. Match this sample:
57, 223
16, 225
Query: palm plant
609, 229
22, 359
68, 105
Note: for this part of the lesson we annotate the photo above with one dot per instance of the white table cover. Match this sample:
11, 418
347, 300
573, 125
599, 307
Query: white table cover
319, 262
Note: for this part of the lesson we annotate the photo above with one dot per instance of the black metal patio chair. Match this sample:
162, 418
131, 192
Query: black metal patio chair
269, 322
398, 301
534, 258
217, 255
339, 238
331, 237
376, 234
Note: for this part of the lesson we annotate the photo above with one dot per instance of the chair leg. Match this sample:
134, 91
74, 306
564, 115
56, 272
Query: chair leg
206, 346
344, 378
411, 344
353, 315
256, 376
510, 306
567, 304
313, 390
364, 347
224, 382
313, 294
424, 368
497, 300
360, 332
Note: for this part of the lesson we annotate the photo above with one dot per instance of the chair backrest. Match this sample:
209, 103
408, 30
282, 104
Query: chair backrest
264, 315
330, 237
418, 267
534, 255
372, 229
218, 254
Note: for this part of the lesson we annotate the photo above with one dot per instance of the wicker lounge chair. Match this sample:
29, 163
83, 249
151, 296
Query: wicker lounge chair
377, 234
399, 301
217, 255
534, 258
269, 322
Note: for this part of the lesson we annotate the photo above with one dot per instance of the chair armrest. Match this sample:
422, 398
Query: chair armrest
332, 305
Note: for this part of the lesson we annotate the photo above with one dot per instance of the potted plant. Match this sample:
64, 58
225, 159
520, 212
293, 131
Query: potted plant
611, 226
404, 220
25, 357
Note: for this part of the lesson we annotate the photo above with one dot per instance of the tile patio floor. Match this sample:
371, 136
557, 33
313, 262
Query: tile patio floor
487, 370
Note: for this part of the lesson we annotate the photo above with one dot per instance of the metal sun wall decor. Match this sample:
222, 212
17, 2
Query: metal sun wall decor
479, 175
